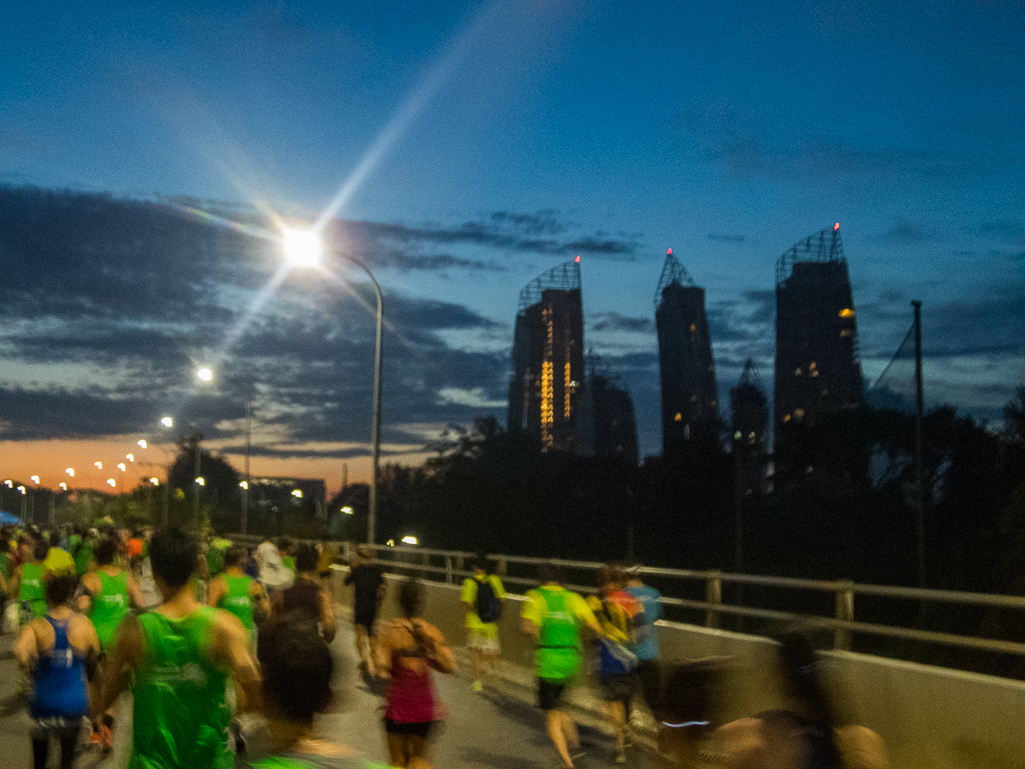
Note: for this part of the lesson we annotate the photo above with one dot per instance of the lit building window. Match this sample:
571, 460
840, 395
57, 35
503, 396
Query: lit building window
846, 312
798, 413
797, 372
678, 417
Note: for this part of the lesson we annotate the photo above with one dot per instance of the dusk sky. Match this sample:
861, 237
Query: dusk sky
462, 148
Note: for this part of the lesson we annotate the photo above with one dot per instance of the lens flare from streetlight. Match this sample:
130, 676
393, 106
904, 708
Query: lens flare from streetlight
167, 422
303, 248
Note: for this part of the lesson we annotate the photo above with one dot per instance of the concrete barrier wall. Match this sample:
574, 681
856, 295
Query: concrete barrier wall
929, 717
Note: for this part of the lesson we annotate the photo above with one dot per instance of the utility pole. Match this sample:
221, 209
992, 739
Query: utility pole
919, 474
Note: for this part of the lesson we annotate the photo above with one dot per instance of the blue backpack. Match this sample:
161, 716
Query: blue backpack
487, 605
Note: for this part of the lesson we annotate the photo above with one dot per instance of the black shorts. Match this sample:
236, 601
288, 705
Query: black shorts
616, 688
549, 692
421, 729
366, 618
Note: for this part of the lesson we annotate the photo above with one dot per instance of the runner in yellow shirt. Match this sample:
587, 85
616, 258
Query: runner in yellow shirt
482, 602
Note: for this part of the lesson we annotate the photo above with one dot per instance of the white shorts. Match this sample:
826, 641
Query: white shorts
483, 640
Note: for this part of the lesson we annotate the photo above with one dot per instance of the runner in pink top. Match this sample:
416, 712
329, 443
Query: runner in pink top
408, 648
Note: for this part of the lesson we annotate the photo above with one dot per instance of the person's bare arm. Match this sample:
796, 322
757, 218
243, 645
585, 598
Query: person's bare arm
125, 657
135, 593
231, 650
90, 587
328, 620
382, 653
439, 655
218, 589
261, 603
529, 627
15, 585
26, 648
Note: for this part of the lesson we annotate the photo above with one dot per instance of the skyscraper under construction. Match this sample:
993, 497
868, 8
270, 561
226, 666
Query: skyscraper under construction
548, 358
689, 391
818, 370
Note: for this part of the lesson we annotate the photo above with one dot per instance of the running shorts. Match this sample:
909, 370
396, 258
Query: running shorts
420, 729
549, 692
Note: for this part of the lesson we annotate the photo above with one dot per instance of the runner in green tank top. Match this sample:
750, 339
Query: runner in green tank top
233, 591
178, 658
554, 616
109, 591
28, 585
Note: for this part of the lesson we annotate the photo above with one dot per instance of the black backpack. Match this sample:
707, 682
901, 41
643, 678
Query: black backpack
487, 605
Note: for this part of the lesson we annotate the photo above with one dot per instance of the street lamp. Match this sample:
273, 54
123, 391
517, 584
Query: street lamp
304, 248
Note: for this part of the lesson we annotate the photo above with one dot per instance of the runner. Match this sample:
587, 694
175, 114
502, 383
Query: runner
646, 674
619, 614
27, 584
57, 650
58, 561
107, 593
239, 594
82, 552
297, 675
407, 651
307, 597
325, 558
482, 603
367, 596
553, 615
6, 572
178, 658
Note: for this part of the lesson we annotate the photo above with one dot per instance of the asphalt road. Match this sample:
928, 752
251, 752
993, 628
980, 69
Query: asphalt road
499, 729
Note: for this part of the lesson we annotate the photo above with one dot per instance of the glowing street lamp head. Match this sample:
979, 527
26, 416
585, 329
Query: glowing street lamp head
155, 481
121, 466
34, 479
64, 486
70, 471
98, 465
143, 444
111, 482
302, 247
201, 481
167, 422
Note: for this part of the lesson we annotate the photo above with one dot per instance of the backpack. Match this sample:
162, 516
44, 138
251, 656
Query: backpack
487, 605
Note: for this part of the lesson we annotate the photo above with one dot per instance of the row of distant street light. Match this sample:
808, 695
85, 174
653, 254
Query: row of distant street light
302, 249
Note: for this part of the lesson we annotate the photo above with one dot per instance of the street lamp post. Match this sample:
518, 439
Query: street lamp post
303, 248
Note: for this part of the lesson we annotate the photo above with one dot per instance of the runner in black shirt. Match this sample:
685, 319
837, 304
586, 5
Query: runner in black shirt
369, 592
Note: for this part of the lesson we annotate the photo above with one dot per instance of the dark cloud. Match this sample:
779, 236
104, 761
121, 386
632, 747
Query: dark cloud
611, 321
906, 234
726, 238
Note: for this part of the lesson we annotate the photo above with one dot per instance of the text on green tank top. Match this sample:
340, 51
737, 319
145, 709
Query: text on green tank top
238, 600
280, 762
109, 606
32, 588
181, 717
558, 624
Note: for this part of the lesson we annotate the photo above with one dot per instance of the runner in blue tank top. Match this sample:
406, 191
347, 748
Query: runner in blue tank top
57, 650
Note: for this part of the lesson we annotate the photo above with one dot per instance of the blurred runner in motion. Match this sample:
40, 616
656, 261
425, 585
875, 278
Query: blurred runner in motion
239, 594
107, 594
646, 674
481, 597
58, 650
178, 658
407, 650
307, 597
368, 592
554, 616
297, 673
619, 614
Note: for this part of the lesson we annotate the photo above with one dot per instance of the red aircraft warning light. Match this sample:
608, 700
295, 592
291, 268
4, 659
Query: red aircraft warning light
836, 226
669, 252
577, 260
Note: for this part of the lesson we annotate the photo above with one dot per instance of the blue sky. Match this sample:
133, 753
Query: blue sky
479, 144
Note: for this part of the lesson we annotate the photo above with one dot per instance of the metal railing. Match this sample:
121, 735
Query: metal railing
450, 566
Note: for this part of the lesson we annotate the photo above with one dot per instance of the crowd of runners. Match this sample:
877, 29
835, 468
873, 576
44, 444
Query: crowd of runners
205, 634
